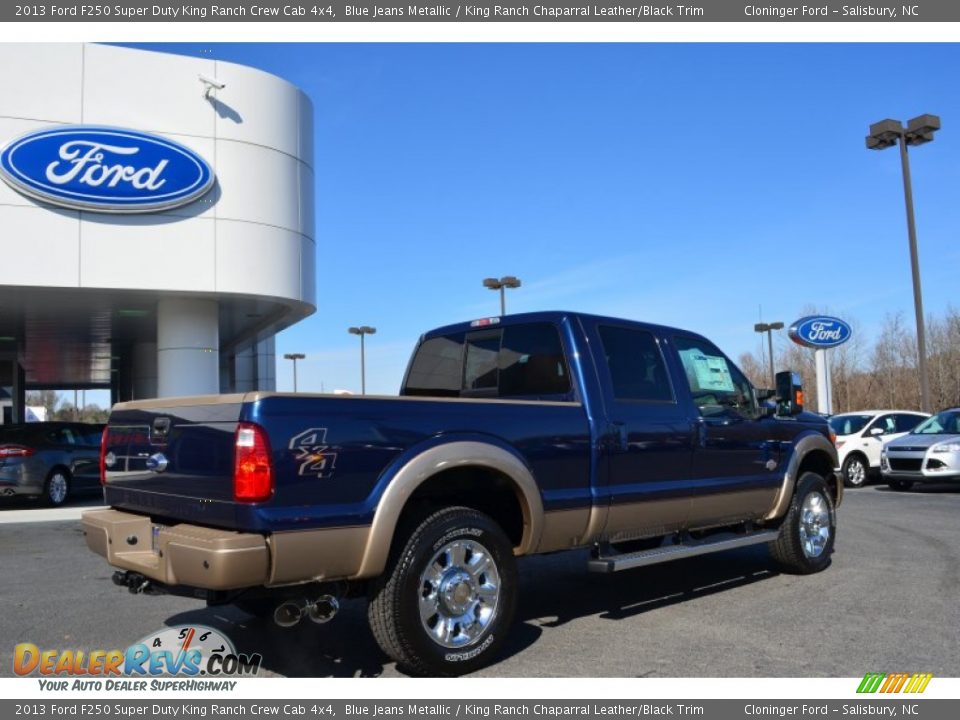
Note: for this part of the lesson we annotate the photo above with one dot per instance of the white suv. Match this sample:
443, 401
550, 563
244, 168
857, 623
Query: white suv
862, 435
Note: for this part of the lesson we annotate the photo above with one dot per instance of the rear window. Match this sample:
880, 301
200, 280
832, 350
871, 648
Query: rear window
514, 362
436, 368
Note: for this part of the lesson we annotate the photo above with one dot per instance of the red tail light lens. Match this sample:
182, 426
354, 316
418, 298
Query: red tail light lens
103, 455
252, 469
15, 451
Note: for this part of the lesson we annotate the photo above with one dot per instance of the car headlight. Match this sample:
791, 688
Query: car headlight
949, 447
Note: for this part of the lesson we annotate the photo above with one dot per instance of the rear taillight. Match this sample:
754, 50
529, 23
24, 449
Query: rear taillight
103, 455
252, 469
15, 451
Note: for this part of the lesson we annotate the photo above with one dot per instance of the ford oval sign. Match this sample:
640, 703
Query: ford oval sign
820, 331
104, 169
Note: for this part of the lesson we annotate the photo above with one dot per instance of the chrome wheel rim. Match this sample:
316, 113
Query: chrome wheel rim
856, 473
57, 490
459, 593
814, 525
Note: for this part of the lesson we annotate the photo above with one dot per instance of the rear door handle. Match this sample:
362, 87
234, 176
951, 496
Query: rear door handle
618, 429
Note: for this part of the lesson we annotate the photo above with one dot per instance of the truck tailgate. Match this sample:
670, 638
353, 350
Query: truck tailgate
174, 460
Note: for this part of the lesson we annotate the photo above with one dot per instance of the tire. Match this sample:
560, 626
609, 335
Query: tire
56, 488
855, 471
808, 530
900, 485
430, 610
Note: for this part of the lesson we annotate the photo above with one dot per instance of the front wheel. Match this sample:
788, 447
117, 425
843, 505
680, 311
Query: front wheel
854, 471
809, 528
445, 602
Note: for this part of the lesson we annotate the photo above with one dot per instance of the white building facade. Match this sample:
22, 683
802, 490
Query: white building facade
151, 302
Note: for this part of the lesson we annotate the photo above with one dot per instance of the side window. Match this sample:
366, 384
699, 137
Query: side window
717, 385
906, 423
886, 423
91, 435
637, 370
531, 361
437, 368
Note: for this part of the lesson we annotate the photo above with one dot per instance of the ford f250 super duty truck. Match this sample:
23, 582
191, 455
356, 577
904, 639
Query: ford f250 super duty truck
511, 436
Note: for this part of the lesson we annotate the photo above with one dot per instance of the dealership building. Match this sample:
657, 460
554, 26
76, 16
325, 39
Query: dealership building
156, 221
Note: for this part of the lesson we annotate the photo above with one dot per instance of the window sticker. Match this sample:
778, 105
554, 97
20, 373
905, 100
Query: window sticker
707, 372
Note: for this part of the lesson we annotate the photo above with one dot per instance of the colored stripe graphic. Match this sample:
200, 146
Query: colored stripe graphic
894, 682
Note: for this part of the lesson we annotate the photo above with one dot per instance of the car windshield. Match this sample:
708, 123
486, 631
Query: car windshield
848, 424
945, 423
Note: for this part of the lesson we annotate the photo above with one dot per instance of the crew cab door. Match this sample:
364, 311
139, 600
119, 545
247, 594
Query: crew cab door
646, 449
735, 473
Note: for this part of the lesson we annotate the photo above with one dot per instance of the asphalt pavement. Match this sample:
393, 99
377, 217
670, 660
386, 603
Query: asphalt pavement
888, 603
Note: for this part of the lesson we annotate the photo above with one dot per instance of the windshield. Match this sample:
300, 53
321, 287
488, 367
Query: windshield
848, 424
945, 423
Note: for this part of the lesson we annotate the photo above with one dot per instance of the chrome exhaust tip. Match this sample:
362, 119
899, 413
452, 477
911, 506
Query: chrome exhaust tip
288, 614
323, 609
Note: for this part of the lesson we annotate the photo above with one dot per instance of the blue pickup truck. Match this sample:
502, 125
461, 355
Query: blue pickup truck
511, 436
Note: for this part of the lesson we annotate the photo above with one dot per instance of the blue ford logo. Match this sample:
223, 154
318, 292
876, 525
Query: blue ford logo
820, 331
104, 169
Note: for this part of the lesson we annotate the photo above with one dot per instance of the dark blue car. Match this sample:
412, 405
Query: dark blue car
49, 460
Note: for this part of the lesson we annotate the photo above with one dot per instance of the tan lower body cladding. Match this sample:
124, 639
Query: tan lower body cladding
215, 559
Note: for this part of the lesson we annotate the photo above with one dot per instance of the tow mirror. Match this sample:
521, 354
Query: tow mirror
764, 394
789, 393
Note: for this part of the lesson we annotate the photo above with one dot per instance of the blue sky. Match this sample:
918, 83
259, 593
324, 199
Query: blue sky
684, 184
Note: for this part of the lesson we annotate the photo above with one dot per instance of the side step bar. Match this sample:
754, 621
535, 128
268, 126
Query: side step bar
614, 561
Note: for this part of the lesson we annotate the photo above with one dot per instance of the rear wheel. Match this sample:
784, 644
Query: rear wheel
809, 528
900, 485
446, 600
855, 471
56, 489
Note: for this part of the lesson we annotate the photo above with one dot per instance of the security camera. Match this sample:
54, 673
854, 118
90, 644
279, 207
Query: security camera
210, 84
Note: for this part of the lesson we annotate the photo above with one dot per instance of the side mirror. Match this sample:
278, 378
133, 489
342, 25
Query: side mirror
876, 431
790, 393
764, 394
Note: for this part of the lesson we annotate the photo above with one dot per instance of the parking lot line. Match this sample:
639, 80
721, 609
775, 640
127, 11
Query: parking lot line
33, 515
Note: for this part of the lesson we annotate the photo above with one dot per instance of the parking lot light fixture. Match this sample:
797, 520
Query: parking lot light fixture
885, 134
361, 331
768, 328
507, 281
294, 357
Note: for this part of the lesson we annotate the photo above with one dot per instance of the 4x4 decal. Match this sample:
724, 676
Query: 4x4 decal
311, 454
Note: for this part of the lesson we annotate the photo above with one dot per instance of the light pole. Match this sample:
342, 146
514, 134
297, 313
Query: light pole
918, 131
294, 357
361, 331
768, 328
507, 281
